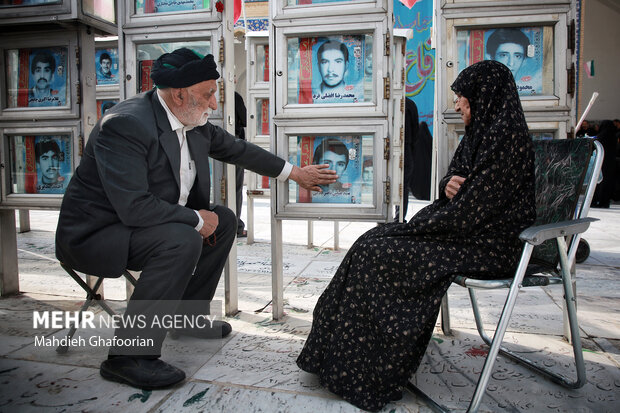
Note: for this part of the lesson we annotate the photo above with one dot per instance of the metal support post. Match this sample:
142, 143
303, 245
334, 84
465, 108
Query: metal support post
336, 236
250, 220
24, 220
231, 296
9, 274
310, 233
277, 269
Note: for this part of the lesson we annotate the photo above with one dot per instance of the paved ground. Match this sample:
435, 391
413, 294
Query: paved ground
254, 369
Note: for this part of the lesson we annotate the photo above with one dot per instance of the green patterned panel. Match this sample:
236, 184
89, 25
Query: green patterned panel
561, 165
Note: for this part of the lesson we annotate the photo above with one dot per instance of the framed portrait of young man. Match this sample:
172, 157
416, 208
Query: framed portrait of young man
40, 164
343, 154
106, 66
526, 51
37, 77
328, 69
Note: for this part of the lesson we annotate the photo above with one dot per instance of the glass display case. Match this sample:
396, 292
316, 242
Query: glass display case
145, 48
330, 69
39, 163
534, 52
40, 77
343, 154
146, 13
100, 9
98, 14
325, 70
37, 77
259, 64
309, 8
167, 6
107, 66
356, 153
103, 105
526, 50
147, 53
261, 118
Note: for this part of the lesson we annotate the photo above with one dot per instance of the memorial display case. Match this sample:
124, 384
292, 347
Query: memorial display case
355, 152
40, 77
39, 163
99, 14
337, 73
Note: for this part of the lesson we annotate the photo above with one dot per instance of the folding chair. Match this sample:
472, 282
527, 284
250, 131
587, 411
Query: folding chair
561, 212
92, 298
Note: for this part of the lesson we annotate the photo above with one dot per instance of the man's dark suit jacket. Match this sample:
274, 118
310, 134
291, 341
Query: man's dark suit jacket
129, 178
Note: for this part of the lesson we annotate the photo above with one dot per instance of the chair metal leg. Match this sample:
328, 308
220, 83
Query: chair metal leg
495, 343
573, 321
130, 278
445, 315
485, 374
92, 297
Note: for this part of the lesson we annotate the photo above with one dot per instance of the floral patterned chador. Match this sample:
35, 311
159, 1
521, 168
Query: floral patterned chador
374, 321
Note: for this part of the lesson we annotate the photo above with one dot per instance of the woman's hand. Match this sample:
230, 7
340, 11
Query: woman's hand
453, 186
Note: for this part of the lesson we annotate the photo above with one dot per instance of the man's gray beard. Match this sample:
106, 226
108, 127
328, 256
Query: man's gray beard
206, 119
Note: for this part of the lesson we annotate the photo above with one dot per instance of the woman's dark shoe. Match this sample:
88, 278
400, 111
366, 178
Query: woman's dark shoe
146, 374
219, 329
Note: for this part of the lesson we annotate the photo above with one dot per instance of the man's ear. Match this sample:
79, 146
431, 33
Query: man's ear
178, 96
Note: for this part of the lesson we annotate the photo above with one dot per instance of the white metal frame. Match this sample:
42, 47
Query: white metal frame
257, 88
397, 126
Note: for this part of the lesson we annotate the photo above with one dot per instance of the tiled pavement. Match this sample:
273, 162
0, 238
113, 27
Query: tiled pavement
254, 370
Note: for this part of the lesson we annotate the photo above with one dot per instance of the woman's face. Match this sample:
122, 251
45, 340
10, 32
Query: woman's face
461, 105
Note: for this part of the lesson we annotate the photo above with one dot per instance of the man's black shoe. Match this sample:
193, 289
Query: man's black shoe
219, 329
146, 374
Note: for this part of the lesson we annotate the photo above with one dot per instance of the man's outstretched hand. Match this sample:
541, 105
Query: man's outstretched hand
311, 176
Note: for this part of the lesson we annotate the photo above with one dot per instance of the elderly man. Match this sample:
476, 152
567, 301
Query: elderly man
140, 200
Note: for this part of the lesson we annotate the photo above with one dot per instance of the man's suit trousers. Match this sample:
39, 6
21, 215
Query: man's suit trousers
176, 265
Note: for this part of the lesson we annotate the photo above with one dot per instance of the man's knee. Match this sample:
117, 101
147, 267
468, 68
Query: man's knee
227, 219
185, 238
180, 239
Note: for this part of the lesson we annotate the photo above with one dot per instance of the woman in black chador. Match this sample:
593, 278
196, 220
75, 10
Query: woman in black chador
373, 322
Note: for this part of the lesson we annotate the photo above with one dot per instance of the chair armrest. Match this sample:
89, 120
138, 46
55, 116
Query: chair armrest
539, 234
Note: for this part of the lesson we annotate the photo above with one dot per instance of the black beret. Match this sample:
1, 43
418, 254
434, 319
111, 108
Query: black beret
183, 68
